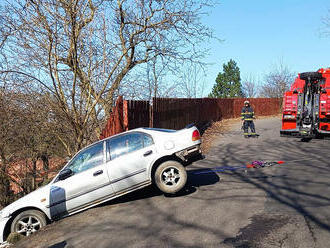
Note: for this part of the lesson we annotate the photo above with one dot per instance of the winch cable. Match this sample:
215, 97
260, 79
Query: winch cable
301, 160
220, 169
254, 164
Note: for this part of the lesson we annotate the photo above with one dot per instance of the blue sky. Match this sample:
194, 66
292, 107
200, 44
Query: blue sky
258, 34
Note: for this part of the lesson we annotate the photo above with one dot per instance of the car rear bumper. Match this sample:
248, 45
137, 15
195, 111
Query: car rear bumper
190, 154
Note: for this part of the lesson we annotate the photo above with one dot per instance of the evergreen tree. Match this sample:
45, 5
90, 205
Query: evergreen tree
228, 83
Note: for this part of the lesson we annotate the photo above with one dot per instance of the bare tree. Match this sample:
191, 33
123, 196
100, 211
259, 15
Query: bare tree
80, 51
7, 135
150, 81
159, 79
154, 80
27, 134
277, 81
250, 86
192, 81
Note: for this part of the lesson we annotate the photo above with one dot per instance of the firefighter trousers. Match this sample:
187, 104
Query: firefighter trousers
246, 126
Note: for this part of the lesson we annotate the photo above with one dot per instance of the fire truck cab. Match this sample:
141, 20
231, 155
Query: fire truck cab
306, 107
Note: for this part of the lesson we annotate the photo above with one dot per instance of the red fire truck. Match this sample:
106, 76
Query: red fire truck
306, 107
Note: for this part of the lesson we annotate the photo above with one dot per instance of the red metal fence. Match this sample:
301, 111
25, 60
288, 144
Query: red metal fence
176, 113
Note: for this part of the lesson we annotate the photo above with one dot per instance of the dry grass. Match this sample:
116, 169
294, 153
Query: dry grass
214, 131
269, 116
220, 127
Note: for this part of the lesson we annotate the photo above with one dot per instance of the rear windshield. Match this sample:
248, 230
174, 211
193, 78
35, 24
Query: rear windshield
160, 130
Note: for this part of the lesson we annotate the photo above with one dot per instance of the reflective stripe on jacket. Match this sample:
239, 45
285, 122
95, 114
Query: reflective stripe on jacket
247, 113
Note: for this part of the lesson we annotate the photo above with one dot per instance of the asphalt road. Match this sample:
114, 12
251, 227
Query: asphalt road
285, 205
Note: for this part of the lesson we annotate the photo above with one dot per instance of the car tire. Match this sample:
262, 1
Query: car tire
170, 177
34, 220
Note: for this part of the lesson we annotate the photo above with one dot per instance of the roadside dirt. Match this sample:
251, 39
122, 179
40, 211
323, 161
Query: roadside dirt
220, 127
215, 130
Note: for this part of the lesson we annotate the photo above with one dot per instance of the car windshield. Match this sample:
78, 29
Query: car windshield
87, 158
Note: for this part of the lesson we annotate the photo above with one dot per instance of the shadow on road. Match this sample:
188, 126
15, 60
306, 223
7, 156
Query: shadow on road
300, 185
62, 244
145, 223
193, 181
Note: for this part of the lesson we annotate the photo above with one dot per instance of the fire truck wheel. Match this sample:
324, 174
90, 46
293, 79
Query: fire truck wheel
306, 139
311, 75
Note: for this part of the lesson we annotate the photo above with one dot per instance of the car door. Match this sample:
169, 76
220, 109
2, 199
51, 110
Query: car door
128, 157
88, 184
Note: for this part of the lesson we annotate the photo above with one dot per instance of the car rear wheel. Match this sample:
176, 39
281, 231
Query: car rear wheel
170, 177
28, 222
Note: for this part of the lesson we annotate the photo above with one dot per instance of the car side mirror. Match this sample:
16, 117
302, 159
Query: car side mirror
64, 174
295, 91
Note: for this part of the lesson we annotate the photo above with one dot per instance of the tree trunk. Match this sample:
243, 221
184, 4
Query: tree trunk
5, 193
34, 175
45, 163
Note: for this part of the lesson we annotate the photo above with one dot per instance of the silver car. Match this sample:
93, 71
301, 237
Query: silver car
103, 171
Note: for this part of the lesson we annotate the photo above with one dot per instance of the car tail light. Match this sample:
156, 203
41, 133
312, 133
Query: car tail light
195, 135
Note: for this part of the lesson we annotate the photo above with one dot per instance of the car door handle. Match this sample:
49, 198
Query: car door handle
147, 153
96, 173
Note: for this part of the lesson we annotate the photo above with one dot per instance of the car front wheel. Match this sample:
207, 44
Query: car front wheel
28, 222
170, 177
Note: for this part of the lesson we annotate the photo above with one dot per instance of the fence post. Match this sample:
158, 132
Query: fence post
125, 115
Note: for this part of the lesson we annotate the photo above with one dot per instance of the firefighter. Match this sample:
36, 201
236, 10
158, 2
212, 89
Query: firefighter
247, 120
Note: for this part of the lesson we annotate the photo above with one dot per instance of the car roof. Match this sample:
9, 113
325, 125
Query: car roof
147, 130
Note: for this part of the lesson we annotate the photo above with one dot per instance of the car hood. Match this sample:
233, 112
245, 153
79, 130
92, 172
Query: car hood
32, 199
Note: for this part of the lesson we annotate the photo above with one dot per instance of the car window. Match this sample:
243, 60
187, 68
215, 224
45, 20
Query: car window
117, 146
87, 158
127, 143
147, 140
135, 141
